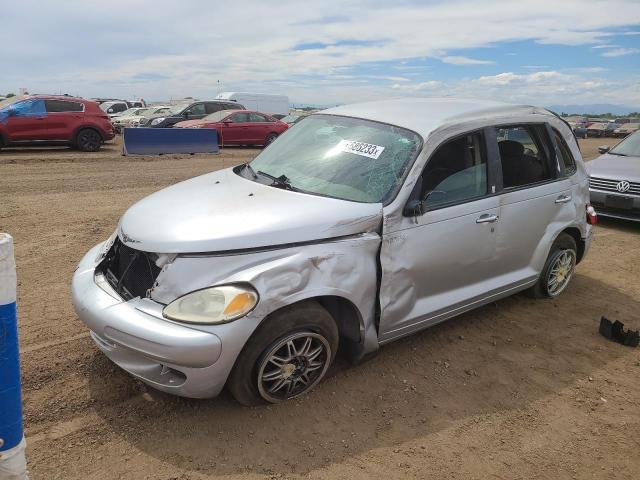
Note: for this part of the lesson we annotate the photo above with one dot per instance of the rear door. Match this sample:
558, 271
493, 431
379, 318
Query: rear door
535, 200
259, 128
443, 261
62, 118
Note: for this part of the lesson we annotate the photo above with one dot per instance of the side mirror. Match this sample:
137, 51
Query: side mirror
603, 149
12, 112
186, 114
413, 208
227, 122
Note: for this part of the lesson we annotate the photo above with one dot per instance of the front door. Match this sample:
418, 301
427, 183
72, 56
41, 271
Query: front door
439, 263
27, 120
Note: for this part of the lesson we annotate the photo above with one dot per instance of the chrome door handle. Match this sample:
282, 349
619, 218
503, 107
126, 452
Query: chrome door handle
487, 218
563, 199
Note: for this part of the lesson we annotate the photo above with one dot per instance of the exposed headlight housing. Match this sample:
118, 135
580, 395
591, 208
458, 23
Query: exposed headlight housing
213, 305
156, 121
106, 246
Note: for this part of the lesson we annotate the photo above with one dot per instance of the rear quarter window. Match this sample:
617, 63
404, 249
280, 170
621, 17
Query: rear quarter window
564, 152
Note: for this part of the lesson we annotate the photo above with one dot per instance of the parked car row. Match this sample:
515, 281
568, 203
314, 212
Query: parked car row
604, 129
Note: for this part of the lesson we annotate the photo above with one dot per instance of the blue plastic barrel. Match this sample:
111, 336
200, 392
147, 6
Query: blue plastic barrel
12, 445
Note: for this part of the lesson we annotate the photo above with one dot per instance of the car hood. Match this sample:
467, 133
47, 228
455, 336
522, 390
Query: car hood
190, 123
615, 167
223, 211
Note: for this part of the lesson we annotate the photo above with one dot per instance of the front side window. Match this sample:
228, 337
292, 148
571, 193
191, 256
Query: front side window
456, 172
342, 157
523, 155
27, 108
255, 117
197, 109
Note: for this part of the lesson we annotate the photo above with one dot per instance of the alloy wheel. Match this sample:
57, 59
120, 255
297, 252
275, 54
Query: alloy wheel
293, 366
560, 272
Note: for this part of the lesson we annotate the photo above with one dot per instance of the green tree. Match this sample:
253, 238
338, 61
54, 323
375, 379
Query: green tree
9, 95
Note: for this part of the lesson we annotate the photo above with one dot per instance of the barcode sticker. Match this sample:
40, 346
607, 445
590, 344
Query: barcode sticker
360, 148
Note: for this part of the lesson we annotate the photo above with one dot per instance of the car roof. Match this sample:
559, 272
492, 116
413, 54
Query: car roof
58, 97
423, 115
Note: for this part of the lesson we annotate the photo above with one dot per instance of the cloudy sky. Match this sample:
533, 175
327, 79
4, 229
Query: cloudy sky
328, 51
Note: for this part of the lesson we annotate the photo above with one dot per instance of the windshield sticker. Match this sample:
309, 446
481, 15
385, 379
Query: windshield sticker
360, 148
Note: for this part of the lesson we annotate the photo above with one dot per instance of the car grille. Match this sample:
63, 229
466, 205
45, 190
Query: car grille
608, 185
131, 273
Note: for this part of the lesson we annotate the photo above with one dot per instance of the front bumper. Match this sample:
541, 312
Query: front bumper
599, 202
166, 355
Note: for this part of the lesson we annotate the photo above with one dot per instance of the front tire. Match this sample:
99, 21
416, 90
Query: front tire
88, 140
558, 269
287, 356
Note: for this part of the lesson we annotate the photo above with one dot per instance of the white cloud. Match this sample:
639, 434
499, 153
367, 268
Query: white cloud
606, 46
418, 87
619, 52
184, 48
458, 60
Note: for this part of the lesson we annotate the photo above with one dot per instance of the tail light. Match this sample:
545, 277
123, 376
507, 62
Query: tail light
592, 216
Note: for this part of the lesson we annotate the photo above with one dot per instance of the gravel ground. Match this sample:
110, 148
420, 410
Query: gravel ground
516, 389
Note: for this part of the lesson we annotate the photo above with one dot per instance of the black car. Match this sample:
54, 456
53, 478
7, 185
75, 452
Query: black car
188, 111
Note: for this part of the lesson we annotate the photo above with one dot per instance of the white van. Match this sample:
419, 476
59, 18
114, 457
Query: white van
275, 105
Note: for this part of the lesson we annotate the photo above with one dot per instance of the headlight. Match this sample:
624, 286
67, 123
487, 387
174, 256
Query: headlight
212, 305
156, 121
106, 246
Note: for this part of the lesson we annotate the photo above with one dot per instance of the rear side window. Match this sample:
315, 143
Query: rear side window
457, 172
566, 158
254, 117
58, 106
524, 155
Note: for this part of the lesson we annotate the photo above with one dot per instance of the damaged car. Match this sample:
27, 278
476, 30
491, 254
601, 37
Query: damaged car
362, 225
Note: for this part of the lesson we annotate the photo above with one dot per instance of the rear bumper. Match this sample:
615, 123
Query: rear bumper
598, 200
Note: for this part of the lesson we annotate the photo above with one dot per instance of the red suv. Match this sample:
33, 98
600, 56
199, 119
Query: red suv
53, 120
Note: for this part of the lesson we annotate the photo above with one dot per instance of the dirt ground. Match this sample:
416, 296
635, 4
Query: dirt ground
517, 389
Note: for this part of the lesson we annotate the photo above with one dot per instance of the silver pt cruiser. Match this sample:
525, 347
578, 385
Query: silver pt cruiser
358, 226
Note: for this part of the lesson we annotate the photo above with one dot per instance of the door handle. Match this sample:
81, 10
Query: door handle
487, 218
563, 199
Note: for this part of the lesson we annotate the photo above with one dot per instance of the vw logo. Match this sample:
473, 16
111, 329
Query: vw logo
623, 186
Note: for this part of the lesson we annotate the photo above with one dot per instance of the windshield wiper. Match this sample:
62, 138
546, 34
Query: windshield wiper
247, 166
279, 182
619, 154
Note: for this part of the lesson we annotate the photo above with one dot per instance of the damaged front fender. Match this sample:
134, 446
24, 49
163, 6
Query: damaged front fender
345, 268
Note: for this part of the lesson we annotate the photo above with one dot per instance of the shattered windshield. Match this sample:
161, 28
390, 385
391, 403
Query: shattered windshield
341, 157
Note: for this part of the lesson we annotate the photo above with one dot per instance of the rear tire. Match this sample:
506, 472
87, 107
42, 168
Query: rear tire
558, 269
270, 138
88, 140
286, 357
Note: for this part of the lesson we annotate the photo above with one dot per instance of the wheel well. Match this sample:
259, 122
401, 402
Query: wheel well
87, 127
577, 236
345, 314
1, 140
